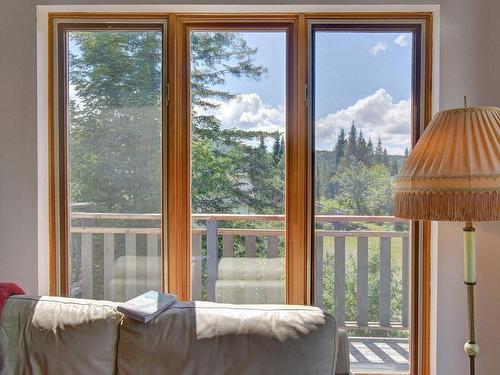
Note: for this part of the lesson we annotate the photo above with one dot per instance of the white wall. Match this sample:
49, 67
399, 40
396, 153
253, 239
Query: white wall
469, 60
451, 297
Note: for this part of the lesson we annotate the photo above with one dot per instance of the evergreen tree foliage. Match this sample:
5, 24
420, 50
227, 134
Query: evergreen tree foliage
394, 168
339, 148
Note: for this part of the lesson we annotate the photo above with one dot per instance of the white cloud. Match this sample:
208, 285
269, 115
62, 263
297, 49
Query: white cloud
377, 48
401, 40
247, 111
376, 115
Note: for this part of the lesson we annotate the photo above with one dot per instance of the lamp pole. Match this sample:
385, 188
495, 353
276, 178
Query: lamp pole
470, 347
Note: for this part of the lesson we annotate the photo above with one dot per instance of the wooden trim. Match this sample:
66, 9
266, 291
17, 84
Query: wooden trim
356, 16
422, 311
420, 291
297, 194
178, 165
164, 157
415, 348
425, 309
58, 184
108, 15
295, 259
62, 158
51, 199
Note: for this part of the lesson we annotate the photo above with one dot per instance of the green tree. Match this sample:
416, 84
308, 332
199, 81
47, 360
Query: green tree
114, 124
362, 153
350, 151
339, 148
353, 182
369, 152
365, 189
380, 193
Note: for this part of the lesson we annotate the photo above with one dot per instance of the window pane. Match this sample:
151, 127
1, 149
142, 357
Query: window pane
362, 113
114, 162
238, 98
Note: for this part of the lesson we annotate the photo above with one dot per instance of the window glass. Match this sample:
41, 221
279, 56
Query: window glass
362, 134
114, 81
238, 122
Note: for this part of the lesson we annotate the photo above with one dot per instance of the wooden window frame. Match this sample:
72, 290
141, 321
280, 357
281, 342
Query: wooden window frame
176, 157
180, 193
58, 184
421, 112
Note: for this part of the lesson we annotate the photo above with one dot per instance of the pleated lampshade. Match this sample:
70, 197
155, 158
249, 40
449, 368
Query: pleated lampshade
453, 173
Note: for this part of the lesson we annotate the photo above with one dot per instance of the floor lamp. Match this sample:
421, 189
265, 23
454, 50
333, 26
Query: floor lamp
453, 174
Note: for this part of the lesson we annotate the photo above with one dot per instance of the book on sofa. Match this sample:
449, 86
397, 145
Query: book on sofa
145, 307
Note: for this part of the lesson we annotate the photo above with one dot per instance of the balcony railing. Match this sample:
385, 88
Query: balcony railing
99, 240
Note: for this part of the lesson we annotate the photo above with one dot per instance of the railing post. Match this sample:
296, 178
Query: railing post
212, 258
196, 281
272, 246
130, 266
318, 273
250, 246
109, 264
152, 260
362, 282
86, 261
340, 280
385, 282
404, 282
228, 248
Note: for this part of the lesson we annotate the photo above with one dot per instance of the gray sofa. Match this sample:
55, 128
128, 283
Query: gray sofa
54, 335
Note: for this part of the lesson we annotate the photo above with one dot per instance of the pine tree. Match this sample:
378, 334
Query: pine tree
282, 147
378, 152
350, 148
339, 148
394, 168
369, 152
276, 148
361, 149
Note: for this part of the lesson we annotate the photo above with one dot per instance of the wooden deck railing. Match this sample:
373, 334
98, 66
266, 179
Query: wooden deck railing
212, 239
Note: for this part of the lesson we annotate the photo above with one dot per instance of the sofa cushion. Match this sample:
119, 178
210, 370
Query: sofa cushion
208, 338
52, 335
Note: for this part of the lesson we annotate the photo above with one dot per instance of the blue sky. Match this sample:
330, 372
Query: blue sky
347, 68
365, 77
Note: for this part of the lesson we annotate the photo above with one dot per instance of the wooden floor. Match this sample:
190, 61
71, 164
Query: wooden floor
379, 355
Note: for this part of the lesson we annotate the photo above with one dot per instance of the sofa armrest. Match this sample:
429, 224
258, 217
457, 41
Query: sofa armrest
342, 366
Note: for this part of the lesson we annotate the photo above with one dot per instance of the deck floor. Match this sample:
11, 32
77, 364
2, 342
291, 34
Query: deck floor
379, 355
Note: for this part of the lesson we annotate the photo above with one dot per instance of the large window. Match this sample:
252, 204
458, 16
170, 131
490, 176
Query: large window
242, 159
110, 116
366, 89
238, 126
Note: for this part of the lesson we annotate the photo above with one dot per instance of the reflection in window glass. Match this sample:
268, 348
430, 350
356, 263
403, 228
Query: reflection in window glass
362, 126
114, 162
238, 166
